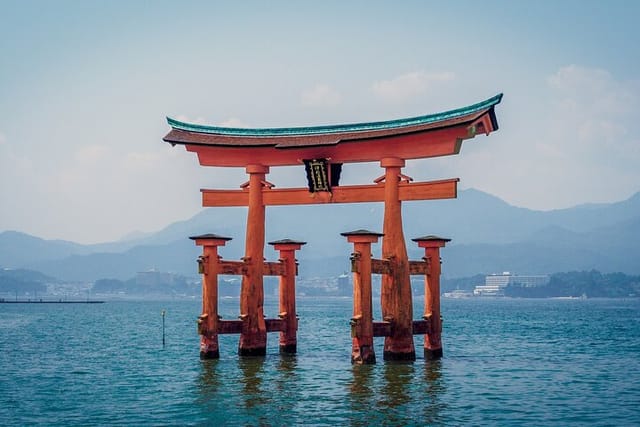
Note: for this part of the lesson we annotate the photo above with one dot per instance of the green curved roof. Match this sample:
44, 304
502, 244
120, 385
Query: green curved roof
330, 129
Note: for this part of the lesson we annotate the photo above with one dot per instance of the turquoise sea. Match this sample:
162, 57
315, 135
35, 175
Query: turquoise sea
506, 362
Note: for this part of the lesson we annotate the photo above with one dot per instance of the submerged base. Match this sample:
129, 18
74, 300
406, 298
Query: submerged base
395, 356
363, 355
432, 353
259, 351
371, 360
211, 354
288, 349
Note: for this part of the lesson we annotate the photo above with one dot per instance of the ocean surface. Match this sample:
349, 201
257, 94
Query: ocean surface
506, 362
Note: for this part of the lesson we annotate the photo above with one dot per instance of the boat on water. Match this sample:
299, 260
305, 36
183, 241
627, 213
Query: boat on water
458, 293
581, 297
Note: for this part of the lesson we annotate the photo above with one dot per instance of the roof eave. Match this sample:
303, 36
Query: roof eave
326, 130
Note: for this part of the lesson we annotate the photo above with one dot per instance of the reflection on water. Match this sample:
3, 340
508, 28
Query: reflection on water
252, 369
286, 384
397, 379
208, 382
361, 387
396, 393
361, 394
390, 393
434, 390
474, 384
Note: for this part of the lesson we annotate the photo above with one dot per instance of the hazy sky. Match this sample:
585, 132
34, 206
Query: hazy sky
85, 87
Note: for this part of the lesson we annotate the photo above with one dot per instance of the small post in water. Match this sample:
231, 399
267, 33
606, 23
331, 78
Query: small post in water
163, 312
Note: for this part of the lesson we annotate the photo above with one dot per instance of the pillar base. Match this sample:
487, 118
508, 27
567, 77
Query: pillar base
432, 353
402, 357
209, 346
364, 356
211, 354
288, 349
259, 351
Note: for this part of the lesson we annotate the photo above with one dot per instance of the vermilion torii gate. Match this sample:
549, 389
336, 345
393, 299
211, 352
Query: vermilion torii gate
323, 150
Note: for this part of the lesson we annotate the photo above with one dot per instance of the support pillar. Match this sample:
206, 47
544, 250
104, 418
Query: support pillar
433, 339
396, 300
362, 351
253, 339
208, 267
287, 294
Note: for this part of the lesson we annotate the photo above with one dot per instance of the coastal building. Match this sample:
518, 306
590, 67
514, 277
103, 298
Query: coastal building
495, 284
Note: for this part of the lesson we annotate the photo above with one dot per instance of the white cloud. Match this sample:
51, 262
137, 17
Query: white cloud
91, 154
567, 142
233, 122
321, 95
409, 85
593, 91
12, 164
593, 114
583, 148
196, 121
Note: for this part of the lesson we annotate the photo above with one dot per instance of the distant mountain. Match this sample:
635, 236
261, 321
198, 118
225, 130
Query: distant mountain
489, 235
473, 218
19, 249
613, 248
21, 281
177, 257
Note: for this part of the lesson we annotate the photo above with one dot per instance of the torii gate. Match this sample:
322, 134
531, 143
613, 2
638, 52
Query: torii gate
323, 150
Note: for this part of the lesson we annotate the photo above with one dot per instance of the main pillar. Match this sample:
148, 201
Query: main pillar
287, 294
253, 338
433, 339
396, 301
362, 351
208, 267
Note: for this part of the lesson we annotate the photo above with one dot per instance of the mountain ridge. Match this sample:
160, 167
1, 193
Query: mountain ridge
488, 235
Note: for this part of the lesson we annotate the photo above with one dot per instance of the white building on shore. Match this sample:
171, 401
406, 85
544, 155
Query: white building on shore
495, 284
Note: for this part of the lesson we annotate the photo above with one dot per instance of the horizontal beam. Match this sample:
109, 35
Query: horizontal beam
274, 269
418, 267
227, 327
380, 266
275, 325
421, 327
384, 266
365, 148
384, 329
430, 190
237, 268
381, 329
240, 268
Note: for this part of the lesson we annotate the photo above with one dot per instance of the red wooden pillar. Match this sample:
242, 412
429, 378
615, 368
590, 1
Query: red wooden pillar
287, 293
208, 267
396, 301
433, 339
362, 322
253, 338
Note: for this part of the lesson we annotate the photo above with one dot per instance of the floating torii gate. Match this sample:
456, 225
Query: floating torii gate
323, 150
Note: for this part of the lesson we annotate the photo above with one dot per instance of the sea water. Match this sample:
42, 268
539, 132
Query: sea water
506, 362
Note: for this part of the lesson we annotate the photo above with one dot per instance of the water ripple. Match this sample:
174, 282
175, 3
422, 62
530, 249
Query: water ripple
507, 362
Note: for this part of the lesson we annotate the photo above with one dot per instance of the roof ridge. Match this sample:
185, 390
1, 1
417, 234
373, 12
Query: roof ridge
340, 128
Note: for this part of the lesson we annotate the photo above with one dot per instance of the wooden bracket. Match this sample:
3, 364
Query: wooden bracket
405, 178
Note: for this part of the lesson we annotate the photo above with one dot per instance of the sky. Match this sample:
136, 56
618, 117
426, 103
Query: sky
86, 86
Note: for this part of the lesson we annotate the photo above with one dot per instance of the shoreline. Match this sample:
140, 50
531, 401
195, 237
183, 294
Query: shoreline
3, 301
